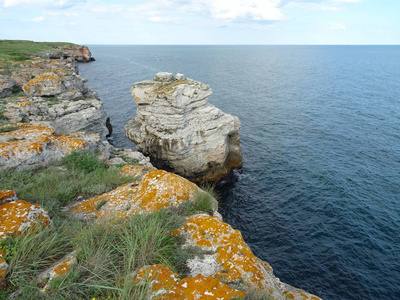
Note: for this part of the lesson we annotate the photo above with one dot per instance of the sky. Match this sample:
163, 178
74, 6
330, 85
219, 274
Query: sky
198, 22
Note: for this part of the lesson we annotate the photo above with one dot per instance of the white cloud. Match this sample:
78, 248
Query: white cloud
231, 10
37, 19
223, 10
317, 4
44, 3
313, 6
346, 1
336, 26
165, 19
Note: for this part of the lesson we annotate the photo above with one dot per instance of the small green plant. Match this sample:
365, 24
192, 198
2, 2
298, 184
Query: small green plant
9, 129
51, 100
83, 161
204, 201
130, 160
100, 204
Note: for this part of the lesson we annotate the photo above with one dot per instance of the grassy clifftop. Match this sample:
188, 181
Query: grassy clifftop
22, 50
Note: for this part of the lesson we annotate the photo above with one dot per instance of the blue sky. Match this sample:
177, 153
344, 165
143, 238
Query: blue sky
202, 21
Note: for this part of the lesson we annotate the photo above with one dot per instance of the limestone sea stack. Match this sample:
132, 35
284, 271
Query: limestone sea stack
181, 131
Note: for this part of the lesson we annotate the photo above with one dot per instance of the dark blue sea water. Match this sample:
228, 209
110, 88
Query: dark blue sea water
319, 193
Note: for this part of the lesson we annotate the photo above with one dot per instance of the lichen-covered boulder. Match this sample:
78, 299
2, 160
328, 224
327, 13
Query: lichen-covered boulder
46, 84
6, 86
156, 190
77, 53
136, 171
19, 216
3, 270
165, 285
65, 116
230, 259
24, 145
58, 269
181, 131
7, 196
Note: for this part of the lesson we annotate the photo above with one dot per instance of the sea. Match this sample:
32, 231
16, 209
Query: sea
318, 196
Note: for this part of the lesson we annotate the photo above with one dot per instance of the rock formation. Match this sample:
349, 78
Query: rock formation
181, 131
54, 92
78, 53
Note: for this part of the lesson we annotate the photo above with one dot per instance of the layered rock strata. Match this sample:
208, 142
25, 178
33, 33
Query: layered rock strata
78, 53
54, 92
181, 131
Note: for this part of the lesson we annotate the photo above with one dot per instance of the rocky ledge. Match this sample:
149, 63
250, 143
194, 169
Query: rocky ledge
181, 131
50, 90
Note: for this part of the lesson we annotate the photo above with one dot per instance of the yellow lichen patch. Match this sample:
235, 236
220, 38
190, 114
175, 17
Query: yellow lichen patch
37, 84
18, 216
159, 278
167, 88
160, 189
25, 130
200, 287
64, 267
3, 273
23, 103
157, 189
7, 196
165, 285
116, 204
60, 268
69, 142
23, 148
136, 171
235, 257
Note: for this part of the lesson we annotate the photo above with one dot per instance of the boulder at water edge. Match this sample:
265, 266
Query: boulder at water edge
181, 131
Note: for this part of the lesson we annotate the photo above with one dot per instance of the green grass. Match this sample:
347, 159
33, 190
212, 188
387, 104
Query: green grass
108, 257
79, 174
9, 129
205, 200
20, 50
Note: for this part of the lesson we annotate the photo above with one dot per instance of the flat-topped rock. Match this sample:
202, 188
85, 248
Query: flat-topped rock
181, 131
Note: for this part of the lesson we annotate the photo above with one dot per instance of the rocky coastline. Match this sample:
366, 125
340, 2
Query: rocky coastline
47, 114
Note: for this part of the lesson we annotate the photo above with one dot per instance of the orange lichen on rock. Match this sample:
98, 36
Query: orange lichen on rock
3, 273
157, 189
136, 171
159, 278
7, 196
58, 269
235, 257
70, 142
18, 216
27, 145
200, 287
23, 103
165, 285
236, 261
45, 84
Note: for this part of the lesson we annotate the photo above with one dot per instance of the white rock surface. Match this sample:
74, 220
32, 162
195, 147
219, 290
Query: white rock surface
6, 86
181, 131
